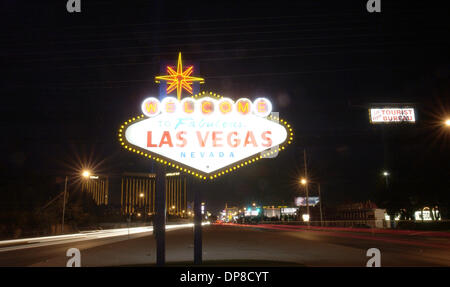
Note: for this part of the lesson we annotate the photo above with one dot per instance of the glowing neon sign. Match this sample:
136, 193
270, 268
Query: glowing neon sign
205, 135
179, 79
392, 115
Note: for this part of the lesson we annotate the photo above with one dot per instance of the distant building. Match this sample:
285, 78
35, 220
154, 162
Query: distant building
427, 214
229, 214
279, 212
364, 214
272, 212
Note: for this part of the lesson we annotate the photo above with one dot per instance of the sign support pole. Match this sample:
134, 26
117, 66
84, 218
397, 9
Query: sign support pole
197, 227
160, 216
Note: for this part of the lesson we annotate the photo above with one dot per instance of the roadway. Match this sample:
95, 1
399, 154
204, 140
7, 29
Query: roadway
252, 245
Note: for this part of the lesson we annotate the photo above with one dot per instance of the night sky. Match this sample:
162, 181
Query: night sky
69, 80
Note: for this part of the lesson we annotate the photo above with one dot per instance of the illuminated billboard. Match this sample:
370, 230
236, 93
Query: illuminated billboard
289, 210
301, 201
392, 115
272, 212
206, 135
252, 211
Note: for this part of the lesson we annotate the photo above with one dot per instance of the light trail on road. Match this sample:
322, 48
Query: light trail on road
26, 243
335, 233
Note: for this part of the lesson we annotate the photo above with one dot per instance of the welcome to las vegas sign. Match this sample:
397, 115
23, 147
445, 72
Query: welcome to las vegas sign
206, 135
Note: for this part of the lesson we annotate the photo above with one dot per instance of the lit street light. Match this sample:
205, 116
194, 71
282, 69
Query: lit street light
306, 185
386, 175
447, 122
303, 181
86, 173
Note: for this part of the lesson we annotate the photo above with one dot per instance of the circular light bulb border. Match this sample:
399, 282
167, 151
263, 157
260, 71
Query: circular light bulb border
189, 170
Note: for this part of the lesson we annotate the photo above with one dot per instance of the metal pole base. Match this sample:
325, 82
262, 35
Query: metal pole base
160, 217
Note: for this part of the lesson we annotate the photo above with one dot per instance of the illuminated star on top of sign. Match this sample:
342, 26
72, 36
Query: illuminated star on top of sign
179, 79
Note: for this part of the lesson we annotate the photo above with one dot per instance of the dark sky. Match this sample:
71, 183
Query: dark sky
69, 80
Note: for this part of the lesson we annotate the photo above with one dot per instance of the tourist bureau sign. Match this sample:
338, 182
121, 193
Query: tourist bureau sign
205, 135
392, 115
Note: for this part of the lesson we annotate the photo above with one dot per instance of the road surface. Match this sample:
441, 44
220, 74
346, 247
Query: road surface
249, 245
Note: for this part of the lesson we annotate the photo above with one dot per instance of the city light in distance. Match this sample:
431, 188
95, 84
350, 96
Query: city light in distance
305, 217
173, 174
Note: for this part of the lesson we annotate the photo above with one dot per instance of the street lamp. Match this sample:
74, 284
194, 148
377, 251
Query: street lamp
85, 174
447, 122
303, 181
386, 174
64, 204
